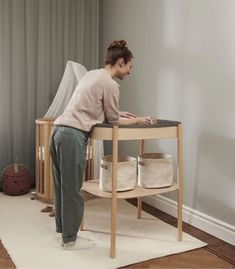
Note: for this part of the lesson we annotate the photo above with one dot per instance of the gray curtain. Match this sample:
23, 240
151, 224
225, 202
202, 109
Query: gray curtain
37, 38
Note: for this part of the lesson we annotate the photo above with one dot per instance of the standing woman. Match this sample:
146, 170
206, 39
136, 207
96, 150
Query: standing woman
95, 100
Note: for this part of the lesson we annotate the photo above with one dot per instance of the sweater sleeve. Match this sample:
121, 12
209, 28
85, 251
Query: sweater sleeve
111, 104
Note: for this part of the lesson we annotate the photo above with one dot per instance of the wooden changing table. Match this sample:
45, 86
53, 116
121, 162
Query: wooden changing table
163, 129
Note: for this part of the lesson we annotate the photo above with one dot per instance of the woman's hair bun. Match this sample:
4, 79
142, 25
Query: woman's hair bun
118, 44
116, 50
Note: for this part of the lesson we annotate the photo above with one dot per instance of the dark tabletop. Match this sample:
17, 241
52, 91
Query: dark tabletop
160, 123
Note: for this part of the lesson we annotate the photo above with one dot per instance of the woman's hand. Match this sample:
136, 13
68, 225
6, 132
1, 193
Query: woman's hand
125, 114
136, 120
144, 120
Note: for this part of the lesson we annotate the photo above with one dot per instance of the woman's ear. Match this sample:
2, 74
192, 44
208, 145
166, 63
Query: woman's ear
120, 62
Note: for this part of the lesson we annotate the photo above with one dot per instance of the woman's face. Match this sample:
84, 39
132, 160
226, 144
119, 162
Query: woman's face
122, 68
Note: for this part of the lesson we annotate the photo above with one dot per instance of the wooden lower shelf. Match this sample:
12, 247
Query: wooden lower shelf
92, 187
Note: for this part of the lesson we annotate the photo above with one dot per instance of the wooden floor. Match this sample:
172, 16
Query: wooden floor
218, 254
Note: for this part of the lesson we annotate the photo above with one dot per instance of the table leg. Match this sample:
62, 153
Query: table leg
114, 192
139, 199
179, 177
139, 203
88, 177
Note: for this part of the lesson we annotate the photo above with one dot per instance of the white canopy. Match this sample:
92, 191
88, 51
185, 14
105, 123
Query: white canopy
72, 75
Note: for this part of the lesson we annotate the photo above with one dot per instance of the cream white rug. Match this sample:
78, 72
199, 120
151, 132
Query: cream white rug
30, 239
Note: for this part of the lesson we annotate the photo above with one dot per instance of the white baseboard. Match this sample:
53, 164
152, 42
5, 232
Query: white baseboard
206, 223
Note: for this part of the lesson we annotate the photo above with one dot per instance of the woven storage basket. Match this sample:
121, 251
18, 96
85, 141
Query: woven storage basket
155, 170
16, 179
126, 173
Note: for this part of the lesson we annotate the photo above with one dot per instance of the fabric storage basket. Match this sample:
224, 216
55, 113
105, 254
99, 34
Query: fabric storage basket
155, 170
126, 173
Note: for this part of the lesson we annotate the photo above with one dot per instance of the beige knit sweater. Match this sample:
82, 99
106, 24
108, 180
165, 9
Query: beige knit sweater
95, 100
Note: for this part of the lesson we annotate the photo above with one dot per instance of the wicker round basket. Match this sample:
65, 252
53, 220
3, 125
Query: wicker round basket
16, 179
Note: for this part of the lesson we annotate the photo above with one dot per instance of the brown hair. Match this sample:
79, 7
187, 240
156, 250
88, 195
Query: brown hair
116, 50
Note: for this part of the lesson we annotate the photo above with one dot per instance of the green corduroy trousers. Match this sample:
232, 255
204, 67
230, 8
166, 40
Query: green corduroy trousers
68, 154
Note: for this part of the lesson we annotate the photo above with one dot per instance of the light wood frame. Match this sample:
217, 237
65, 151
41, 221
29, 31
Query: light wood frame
43, 163
43, 172
129, 133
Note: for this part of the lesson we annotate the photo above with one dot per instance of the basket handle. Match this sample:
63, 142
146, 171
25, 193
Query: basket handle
16, 166
104, 166
141, 163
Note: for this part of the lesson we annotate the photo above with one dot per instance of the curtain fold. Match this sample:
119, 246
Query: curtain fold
37, 38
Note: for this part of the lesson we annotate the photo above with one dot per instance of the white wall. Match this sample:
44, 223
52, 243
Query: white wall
184, 70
